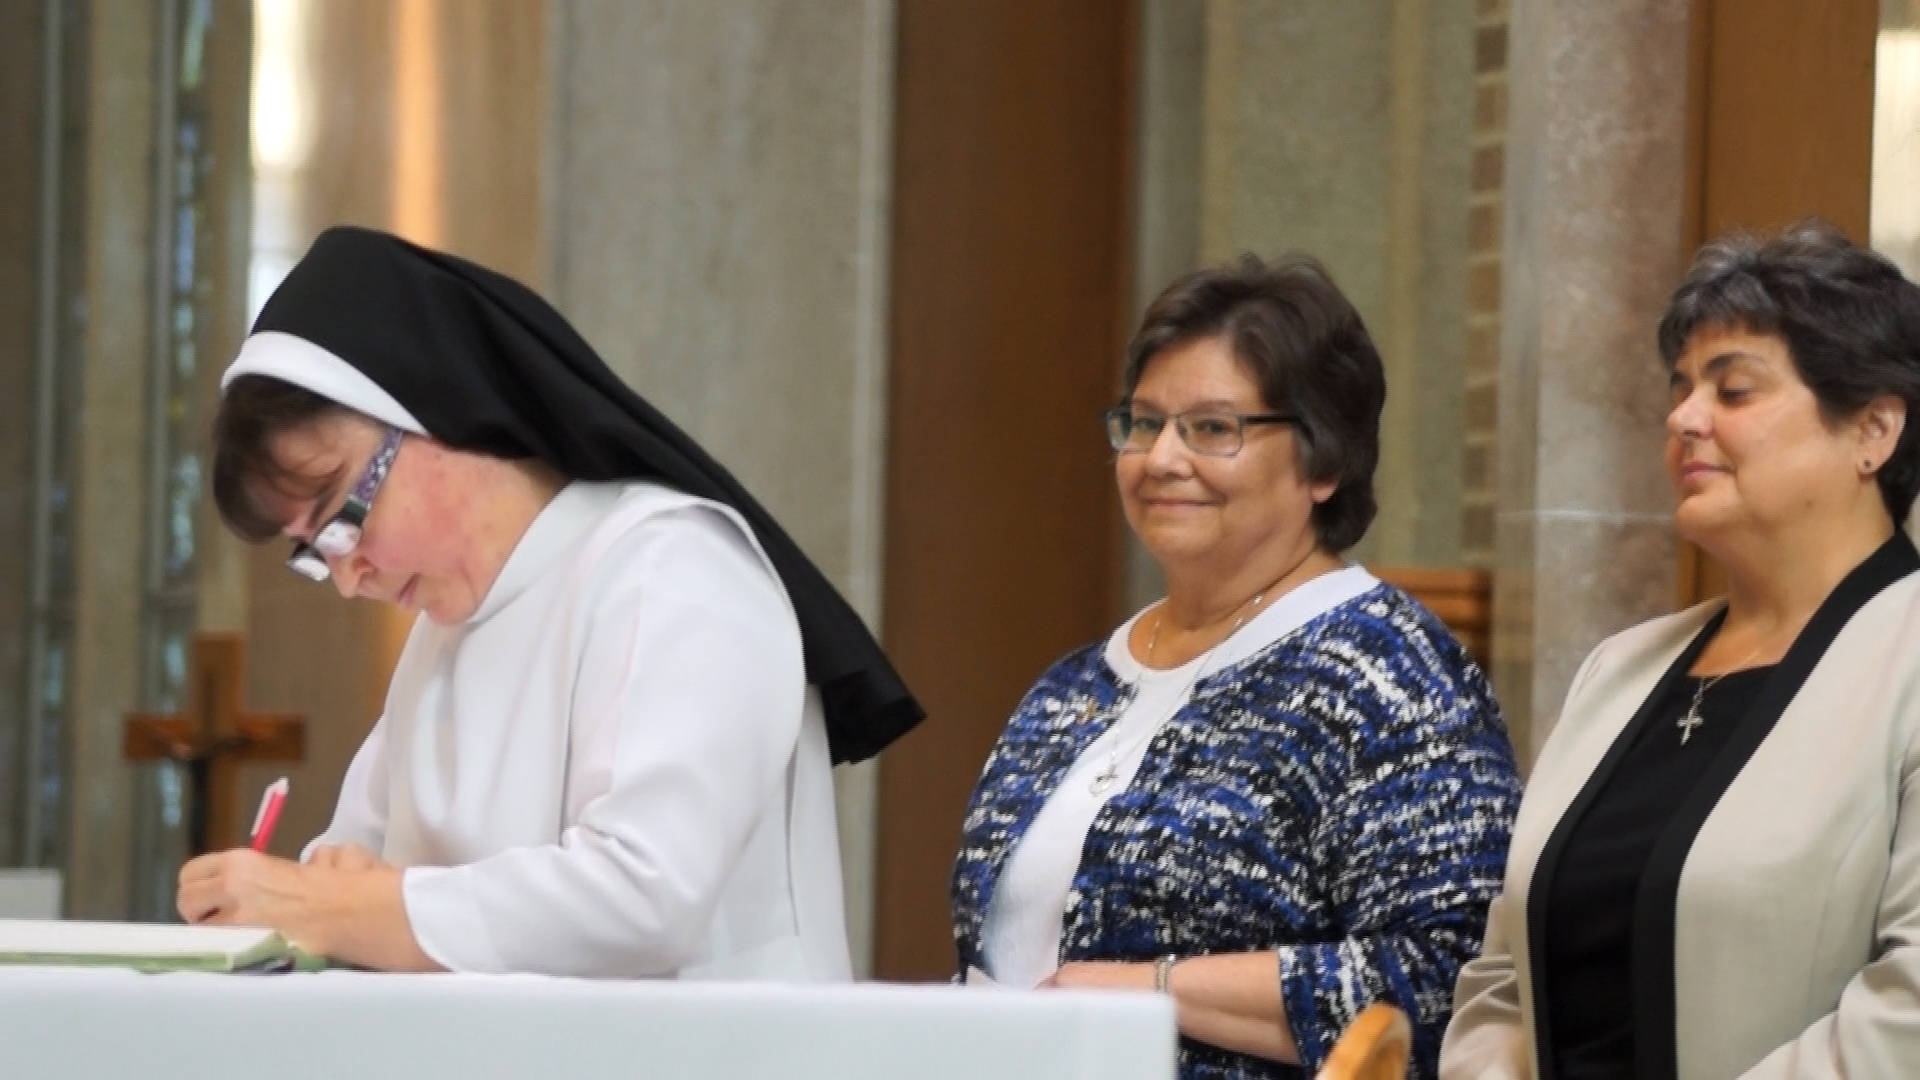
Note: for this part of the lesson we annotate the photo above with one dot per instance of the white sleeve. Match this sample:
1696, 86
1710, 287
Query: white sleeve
360, 817
1874, 1029
693, 656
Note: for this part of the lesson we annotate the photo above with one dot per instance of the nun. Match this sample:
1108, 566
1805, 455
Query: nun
606, 747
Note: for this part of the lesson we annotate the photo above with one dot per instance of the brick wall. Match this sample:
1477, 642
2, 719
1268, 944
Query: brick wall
1483, 280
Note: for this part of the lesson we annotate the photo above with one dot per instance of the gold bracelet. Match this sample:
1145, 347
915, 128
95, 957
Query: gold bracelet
1163, 974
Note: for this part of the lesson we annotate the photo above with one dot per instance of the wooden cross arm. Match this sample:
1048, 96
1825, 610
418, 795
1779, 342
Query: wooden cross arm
261, 737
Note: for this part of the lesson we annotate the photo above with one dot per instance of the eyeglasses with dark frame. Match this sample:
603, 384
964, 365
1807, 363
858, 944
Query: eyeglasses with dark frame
338, 538
1205, 431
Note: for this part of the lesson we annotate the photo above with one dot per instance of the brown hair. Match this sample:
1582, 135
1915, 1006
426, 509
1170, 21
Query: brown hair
255, 410
1303, 343
1850, 320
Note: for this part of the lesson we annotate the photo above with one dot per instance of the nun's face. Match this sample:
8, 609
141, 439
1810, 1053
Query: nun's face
425, 544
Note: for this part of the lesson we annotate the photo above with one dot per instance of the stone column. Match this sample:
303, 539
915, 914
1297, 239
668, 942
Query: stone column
110, 468
717, 225
1595, 178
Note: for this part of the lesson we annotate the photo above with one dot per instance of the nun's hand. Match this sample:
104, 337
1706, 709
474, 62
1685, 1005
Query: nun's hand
240, 888
353, 912
343, 857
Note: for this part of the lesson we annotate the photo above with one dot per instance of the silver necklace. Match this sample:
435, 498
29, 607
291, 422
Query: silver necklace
1692, 718
1104, 780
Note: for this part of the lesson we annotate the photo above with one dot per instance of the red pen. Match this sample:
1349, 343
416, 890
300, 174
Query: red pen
269, 815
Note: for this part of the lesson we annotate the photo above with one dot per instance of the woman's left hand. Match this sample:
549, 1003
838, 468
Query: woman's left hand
1099, 975
353, 914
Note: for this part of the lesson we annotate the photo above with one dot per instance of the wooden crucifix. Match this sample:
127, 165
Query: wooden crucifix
211, 736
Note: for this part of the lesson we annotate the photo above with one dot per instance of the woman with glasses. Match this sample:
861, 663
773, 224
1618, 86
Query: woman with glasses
1282, 792
606, 747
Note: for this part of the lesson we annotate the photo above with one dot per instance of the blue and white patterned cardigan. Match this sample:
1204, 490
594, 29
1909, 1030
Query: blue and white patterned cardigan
1343, 797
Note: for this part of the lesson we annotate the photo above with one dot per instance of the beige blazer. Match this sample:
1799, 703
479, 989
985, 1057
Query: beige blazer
1796, 926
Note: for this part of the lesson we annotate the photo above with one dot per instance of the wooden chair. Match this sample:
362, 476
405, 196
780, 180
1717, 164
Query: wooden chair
1376, 1046
1461, 597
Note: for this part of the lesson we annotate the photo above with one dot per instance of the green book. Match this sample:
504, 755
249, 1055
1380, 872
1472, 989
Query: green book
150, 946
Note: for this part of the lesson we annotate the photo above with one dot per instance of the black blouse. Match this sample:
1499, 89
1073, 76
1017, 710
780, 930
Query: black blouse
1645, 950
1589, 940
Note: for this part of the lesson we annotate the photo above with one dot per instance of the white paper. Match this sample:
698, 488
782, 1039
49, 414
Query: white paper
52, 937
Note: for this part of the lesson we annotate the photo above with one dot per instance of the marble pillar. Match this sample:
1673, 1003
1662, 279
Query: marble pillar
1595, 179
717, 200
110, 466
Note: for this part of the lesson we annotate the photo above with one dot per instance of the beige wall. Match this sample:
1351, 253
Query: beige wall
427, 118
718, 216
1343, 130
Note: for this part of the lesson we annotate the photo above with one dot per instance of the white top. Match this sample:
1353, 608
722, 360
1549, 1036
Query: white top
615, 767
1020, 940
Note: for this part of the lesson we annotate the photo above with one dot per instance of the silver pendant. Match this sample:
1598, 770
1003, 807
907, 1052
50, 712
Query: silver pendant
1102, 782
1687, 723
1692, 718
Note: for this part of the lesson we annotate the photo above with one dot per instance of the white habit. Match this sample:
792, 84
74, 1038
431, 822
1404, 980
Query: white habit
615, 767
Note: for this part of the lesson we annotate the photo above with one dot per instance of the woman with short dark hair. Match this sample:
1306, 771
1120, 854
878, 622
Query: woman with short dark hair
606, 747
1283, 792
1716, 870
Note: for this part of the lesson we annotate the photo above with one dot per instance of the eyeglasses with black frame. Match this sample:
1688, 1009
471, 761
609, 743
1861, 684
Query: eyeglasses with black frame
1211, 432
341, 534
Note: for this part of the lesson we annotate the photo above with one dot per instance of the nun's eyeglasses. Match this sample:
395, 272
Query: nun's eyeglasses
341, 534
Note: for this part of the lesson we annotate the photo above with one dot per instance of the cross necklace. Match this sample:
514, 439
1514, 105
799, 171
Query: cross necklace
1105, 778
1692, 718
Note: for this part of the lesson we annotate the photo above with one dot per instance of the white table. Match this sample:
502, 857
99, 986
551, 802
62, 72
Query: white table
337, 1024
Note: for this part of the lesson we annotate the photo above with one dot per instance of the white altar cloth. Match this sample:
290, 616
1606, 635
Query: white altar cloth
63, 1022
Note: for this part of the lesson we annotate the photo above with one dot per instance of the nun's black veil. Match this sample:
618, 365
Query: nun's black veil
485, 364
